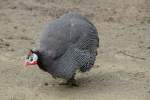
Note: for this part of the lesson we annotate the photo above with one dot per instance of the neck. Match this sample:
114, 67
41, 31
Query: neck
39, 62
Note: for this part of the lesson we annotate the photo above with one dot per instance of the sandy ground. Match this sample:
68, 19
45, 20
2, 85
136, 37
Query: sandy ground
122, 69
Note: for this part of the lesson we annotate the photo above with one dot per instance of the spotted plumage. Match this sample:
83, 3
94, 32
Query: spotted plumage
67, 44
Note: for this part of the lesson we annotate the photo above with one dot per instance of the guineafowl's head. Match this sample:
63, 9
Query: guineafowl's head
32, 58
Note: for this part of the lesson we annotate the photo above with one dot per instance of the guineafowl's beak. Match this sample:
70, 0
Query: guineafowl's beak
29, 64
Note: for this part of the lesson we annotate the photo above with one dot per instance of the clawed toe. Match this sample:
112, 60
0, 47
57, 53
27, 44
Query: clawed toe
71, 82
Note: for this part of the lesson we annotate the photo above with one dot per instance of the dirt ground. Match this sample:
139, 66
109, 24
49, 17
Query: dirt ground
122, 68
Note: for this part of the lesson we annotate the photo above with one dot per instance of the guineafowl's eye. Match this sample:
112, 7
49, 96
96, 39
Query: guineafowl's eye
31, 58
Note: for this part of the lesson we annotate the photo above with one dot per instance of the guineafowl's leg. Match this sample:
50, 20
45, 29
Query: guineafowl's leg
71, 82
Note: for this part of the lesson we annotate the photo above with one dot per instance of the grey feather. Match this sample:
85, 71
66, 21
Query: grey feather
67, 44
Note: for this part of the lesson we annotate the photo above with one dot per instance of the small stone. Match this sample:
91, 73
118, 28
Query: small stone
148, 47
13, 7
32, 42
24, 38
10, 37
148, 21
1, 40
23, 30
15, 27
46, 84
11, 49
7, 44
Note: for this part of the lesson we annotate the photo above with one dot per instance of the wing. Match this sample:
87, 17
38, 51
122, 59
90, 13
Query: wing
84, 59
73, 31
66, 65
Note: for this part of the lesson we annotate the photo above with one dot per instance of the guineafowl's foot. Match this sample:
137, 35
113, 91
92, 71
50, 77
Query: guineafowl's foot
70, 82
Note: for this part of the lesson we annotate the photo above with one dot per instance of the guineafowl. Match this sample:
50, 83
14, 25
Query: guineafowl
67, 44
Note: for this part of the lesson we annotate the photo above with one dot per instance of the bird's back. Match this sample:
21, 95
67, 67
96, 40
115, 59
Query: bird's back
70, 34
